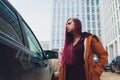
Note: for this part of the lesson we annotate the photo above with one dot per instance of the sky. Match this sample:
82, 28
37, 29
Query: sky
37, 14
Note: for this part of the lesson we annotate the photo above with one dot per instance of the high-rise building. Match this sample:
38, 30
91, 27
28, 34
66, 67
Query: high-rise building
86, 10
110, 23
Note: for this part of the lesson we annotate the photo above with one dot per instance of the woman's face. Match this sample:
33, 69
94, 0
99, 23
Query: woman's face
70, 26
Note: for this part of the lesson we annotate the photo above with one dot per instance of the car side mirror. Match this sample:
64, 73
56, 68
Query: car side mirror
51, 54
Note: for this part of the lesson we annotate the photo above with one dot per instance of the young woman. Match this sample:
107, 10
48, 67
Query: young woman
78, 54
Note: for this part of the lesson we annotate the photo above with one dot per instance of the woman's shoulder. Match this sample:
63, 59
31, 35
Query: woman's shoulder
86, 34
93, 36
95, 39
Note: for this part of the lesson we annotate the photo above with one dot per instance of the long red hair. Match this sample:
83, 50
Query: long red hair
68, 45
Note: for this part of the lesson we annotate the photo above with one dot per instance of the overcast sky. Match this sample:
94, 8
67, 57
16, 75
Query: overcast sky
37, 14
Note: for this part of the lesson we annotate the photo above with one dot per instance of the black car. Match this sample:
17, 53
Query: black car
115, 64
107, 67
21, 55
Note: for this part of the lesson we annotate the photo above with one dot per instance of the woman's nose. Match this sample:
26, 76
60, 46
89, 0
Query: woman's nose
67, 26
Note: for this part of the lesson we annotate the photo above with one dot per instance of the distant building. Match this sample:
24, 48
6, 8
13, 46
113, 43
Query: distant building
86, 10
45, 45
110, 23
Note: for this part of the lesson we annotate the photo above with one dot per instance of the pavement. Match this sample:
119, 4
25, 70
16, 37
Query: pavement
110, 76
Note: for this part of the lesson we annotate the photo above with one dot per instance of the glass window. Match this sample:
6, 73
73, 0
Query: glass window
93, 24
63, 34
83, 24
58, 32
83, 9
88, 10
99, 25
97, 1
93, 9
83, 17
94, 31
53, 34
53, 43
119, 1
73, 5
63, 10
117, 14
68, 12
98, 11
89, 31
88, 2
58, 42
83, 2
88, 17
99, 32
54, 11
77, 10
93, 17
115, 29
9, 24
62, 42
88, 24
98, 17
119, 8
119, 28
114, 18
32, 42
92, 2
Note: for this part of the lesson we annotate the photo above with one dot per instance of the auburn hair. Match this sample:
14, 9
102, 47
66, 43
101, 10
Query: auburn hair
68, 45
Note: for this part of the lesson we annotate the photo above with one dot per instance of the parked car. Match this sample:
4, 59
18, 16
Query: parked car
21, 55
107, 67
115, 64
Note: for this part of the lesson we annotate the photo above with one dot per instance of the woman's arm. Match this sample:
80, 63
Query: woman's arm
102, 54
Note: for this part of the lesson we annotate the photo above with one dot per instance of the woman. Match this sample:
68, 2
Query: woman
78, 54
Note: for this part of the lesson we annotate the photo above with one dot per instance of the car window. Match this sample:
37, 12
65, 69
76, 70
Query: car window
118, 58
32, 42
9, 24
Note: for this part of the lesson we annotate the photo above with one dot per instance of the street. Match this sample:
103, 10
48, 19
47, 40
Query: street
110, 76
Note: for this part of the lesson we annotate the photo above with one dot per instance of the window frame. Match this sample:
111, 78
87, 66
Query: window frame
25, 36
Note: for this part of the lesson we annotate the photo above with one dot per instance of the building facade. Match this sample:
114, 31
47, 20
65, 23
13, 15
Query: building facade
86, 10
110, 23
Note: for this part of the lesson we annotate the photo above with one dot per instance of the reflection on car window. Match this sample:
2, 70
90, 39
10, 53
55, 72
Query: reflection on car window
9, 24
33, 44
117, 58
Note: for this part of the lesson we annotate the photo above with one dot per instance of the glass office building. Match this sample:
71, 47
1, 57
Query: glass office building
86, 10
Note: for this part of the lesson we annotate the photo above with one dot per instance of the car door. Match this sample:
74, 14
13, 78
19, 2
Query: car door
15, 58
21, 55
43, 70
